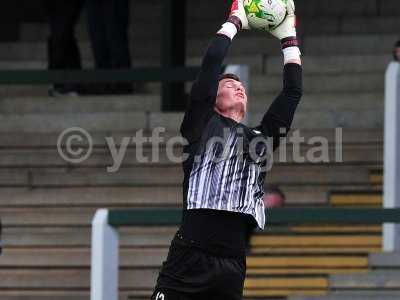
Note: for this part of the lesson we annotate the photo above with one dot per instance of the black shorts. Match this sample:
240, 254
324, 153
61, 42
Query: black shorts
191, 273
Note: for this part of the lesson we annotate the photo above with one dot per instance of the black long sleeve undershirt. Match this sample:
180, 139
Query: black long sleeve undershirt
278, 119
204, 91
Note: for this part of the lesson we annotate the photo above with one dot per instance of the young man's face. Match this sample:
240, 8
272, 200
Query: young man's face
273, 200
231, 94
397, 53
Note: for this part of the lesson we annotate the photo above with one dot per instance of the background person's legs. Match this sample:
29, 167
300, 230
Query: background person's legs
117, 32
108, 29
97, 22
62, 47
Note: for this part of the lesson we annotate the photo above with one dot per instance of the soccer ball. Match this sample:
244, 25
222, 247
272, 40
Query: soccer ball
265, 14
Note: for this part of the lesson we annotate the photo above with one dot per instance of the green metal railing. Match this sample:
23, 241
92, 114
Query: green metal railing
158, 217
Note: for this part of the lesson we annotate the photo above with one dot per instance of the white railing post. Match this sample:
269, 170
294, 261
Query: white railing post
391, 191
105, 262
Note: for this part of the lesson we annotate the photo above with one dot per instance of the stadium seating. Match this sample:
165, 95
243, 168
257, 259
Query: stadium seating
46, 204
381, 283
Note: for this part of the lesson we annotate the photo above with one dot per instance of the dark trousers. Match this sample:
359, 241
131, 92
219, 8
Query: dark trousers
62, 47
190, 273
108, 30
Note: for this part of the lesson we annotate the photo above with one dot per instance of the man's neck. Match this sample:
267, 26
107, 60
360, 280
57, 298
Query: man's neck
232, 114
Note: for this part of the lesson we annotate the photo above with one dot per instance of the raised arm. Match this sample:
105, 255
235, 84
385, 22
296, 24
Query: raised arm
278, 119
205, 87
206, 84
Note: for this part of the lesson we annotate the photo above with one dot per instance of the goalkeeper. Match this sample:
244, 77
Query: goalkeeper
223, 197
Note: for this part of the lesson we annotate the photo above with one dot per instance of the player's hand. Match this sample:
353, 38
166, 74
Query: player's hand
237, 10
287, 29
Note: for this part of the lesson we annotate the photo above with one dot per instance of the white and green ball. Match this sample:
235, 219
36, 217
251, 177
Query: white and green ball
265, 14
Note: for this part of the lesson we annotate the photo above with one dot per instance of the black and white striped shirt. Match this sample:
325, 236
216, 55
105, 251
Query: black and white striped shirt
224, 175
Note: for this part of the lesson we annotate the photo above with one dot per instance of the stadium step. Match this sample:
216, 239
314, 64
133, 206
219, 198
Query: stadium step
263, 287
64, 105
67, 237
356, 8
303, 271
385, 280
172, 176
91, 197
313, 261
321, 83
351, 25
354, 199
136, 154
376, 177
333, 64
279, 294
362, 250
259, 63
379, 294
7, 91
53, 122
32, 295
42, 91
23, 139
370, 296
55, 257
68, 295
78, 257
366, 119
72, 279
330, 102
362, 44
336, 229
144, 196
261, 283
309, 241
349, 44
48, 217
387, 260
136, 120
